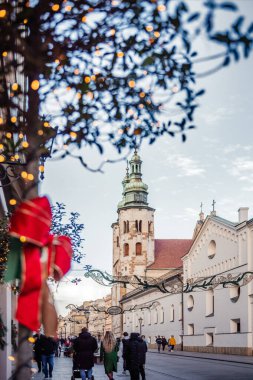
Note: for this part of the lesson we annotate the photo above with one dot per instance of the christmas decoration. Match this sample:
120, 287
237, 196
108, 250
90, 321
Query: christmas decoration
4, 245
2, 334
34, 255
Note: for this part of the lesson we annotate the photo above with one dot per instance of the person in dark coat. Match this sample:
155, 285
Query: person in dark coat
37, 351
164, 342
84, 347
125, 340
48, 347
136, 356
142, 357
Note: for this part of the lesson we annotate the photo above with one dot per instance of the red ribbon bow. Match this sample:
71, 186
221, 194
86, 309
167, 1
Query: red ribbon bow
42, 255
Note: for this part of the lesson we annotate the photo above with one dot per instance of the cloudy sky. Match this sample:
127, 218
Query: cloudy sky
216, 162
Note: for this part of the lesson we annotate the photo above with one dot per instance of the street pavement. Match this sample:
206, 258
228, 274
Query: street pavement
174, 366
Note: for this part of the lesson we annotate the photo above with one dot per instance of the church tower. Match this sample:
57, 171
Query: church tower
133, 233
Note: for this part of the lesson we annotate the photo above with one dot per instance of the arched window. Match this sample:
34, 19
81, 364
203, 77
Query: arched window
190, 303
150, 227
117, 241
124, 227
136, 225
138, 249
211, 249
140, 226
126, 249
161, 315
155, 314
127, 226
136, 168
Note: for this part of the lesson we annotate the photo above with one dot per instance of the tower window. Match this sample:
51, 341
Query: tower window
150, 227
117, 241
127, 226
136, 225
140, 226
126, 249
124, 227
138, 249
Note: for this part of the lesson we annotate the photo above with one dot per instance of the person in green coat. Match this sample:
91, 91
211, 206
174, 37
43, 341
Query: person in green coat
108, 353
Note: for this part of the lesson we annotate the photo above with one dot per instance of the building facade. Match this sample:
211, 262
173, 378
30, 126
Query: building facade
217, 318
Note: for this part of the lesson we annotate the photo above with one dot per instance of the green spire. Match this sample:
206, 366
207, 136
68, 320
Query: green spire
134, 190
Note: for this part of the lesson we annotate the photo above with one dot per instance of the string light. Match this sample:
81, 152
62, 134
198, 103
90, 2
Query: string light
25, 144
142, 94
161, 8
2, 13
120, 54
2, 158
25, 21
41, 168
14, 86
12, 202
30, 177
131, 83
87, 79
68, 8
93, 77
13, 119
35, 84
112, 31
55, 7
4, 53
8, 135
11, 358
149, 28
76, 71
22, 239
84, 19
24, 175
46, 124
73, 135
1, 120
40, 132
157, 34
21, 135
1, 146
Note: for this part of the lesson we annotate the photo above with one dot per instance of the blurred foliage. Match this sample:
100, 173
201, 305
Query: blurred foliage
102, 71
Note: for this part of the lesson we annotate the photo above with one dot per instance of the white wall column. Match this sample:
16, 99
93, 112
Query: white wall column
6, 312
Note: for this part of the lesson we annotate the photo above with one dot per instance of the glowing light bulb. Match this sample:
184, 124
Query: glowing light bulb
13, 119
46, 124
157, 34
131, 83
120, 54
161, 8
25, 144
40, 132
87, 79
55, 7
12, 202
149, 28
2, 13
41, 168
35, 85
30, 177
142, 94
73, 135
14, 86
24, 174
8, 135
22, 239
84, 19
4, 53
2, 158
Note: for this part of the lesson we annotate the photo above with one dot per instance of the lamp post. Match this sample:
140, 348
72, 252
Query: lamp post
65, 326
140, 322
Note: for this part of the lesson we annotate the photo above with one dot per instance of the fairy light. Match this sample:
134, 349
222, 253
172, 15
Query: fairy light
161, 8
120, 54
57, 61
149, 28
93, 77
84, 19
98, 52
41, 168
14, 87
4, 53
25, 21
30, 177
46, 124
35, 85
112, 31
1, 146
8, 135
2, 13
90, 95
131, 83
40, 132
16, 156
2, 158
13, 119
68, 88
68, 8
1, 120
22, 239
55, 7
25, 144
73, 135
24, 175
12, 202
21, 135
157, 34
87, 79
76, 71
142, 94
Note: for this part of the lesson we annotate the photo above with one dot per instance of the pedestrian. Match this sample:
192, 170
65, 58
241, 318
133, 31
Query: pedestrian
125, 340
135, 356
142, 357
172, 343
164, 342
48, 347
37, 351
159, 343
84, 347
108, 353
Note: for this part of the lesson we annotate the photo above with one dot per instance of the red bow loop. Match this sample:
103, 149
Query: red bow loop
60, 253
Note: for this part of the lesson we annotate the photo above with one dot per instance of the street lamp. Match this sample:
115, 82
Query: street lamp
140, 322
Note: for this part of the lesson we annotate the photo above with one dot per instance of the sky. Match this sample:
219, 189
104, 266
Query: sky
216, 162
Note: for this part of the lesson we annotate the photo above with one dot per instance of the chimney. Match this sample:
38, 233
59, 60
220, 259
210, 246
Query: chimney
243, 214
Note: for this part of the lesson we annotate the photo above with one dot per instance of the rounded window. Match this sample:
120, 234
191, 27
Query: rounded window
190, 303
211, 249
234, 293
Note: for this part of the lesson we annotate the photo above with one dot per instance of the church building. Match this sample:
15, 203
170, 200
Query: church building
216, 318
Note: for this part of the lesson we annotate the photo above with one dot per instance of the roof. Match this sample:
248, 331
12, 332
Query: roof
168, 253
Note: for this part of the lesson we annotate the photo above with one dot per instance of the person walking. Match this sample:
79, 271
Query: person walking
37, 351
108, 353
84, 347
48, 347
159, 343
125, 340
142, 357
172, 343
134, 357
164, 342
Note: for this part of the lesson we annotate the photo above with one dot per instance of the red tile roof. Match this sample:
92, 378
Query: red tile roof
168, 253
